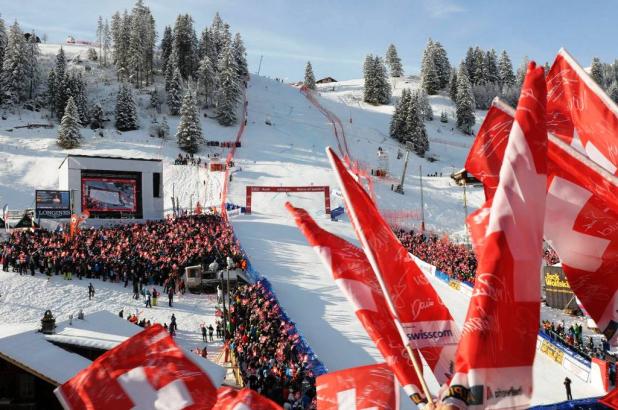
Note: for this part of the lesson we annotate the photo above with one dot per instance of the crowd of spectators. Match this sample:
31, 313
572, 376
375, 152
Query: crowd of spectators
456, 260
269, 350
573, 337
154, 252
187, 159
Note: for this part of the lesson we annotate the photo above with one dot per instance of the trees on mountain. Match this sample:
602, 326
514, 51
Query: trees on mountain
166, 47
397, 126
207, 79
596, 71
309, 77
464, 101
189, 131
68, 133
240, 55
229, 88
142, 37
16, 66
185, 45
174, 92
435, 68
377, 90
407, 124
393, 61
505, 70
452, 85
126, 114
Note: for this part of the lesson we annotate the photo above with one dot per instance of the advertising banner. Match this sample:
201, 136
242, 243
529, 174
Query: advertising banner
52, 204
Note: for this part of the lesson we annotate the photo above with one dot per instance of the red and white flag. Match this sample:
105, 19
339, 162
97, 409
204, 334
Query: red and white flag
245, 399
580, 113
355, 277
493, 367
580, 221
146, 371
421, 317
365, 387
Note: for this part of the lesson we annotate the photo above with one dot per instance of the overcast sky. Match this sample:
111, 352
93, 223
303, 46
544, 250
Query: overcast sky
336, 35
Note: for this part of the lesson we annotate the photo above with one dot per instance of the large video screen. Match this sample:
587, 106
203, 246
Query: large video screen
52, 204
109, 194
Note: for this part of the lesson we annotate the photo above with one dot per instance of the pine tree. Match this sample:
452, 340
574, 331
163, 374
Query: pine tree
204, 44
425, 110
97, 117
155, 101
107, 43
3, 44
166, 47
393, 61
452, 90
207, 79
596, 71
443, 66
521, 72
15, 70
141, 45
470, 64
51, 91
383, 87
505, 70
174, 93
490, 67
397, 127
170, 67
32, 65
416, 135
444, 117
68, 132
185, 45
189, 131
429, 74
229, 89
77, 90
479, 75
464, 101
126, 114
612, 91
309, 77
240, 55
122, 43
370, 80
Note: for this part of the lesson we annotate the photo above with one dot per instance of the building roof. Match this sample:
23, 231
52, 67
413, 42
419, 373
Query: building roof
105, 157
34, 352
326, 80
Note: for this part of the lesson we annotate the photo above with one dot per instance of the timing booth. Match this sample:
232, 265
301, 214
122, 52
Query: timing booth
113, 187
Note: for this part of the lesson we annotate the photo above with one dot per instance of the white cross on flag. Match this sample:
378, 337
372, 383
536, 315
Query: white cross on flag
371, 387
146, 371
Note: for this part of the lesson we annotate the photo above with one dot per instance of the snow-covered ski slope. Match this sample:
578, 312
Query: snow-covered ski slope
291, 152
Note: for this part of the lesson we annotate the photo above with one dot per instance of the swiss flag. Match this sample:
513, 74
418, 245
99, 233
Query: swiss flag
146, 371
421, 317
610, 399
580, 219
493, 367
245, 399
580, 113
365, 387
356, 279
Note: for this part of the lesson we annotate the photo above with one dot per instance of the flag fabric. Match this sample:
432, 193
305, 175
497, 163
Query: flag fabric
610, 399
245, 399
580, 222
353, 274
487, 151
364, 387
421, 317
580, 113
5, 216
493, 367
146, 371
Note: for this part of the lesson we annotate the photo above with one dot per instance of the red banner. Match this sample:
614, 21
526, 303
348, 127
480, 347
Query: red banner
365, 387
245, 399
147, 370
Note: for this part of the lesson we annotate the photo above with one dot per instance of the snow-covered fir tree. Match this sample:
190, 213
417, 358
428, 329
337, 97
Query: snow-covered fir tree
377, 89
51, 91
452, 85
32, 64
612, 91
92, 54
393, 61
68, 133
185, 45
464, 101
416, 135
99, 42
155, 101
240, 55
77, 89
204, 44
398, 120
217, 36
490, 67
470, 65
229, 89
426, 111
97, 117
443, 117
309, 77
126, 113
189, 131
505, 70
207, 79
166, 47
479, 75
521, 72
107, 44
141, 45
443, 66
174, 93
3, 44
170, 67
15, 70
596, 71
121, 35
430, 82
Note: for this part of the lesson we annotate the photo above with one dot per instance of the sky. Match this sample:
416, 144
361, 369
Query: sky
336, 35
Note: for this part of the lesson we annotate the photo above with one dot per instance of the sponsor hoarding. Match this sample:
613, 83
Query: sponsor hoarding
52, 204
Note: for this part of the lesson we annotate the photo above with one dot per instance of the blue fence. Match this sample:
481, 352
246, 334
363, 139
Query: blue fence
583, 404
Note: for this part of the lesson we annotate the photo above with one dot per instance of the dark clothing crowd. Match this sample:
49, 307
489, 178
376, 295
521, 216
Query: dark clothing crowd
187, 159
268, 349
155, 252
573, 337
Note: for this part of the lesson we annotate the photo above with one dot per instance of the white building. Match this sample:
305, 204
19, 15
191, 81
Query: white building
113, 187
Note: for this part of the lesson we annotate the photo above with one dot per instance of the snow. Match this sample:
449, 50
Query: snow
290, 152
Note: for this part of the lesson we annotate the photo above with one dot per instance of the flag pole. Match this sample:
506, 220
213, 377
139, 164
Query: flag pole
419, 373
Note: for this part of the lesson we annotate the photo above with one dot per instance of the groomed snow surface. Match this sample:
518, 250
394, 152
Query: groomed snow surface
288, 152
